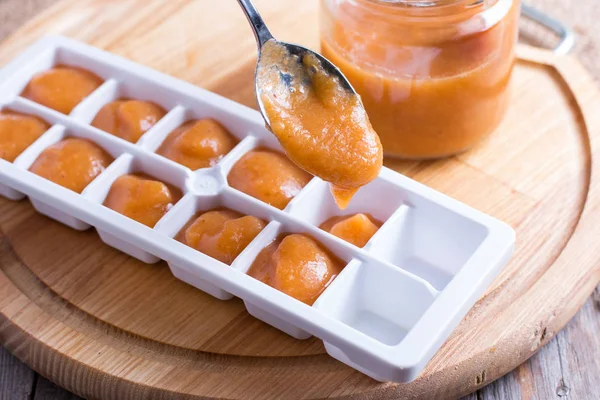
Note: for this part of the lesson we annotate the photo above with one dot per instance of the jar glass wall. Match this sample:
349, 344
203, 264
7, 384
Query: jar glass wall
433, 75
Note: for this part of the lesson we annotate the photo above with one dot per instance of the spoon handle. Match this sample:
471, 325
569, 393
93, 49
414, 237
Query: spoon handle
261, 32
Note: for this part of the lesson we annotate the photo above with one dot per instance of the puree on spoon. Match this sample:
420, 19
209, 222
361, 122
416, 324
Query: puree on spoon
322, 127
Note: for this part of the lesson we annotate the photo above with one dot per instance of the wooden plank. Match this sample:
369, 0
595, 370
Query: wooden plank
542, 374
16, 379
506, 388
579, 349
46, 390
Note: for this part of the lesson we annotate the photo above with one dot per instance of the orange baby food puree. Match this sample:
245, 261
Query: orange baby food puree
142, 198
128, 119
268, 176
61, 88
356, 229
296, 265
198, 144
17, 132
72, 163
322, 127
434, 79
221, 234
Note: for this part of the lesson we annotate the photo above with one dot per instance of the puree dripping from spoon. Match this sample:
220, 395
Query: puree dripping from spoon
315, 113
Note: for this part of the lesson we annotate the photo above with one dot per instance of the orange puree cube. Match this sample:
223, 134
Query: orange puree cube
72, 163
61, 88
268, 176
128, 119
142, 198
296, 265
356, 229
198, 144
17, 132
221, 234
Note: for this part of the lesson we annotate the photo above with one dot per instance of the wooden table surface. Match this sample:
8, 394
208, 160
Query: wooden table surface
565, 368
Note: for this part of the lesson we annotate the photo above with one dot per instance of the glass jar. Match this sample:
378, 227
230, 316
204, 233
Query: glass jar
433, 75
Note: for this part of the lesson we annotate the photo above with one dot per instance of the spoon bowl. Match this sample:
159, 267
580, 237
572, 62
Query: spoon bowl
289, 64
292, 70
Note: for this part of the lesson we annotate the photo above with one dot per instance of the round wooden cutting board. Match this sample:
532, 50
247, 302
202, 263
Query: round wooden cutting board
106, 326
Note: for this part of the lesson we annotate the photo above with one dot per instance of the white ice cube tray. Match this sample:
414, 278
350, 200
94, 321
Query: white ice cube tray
386, 314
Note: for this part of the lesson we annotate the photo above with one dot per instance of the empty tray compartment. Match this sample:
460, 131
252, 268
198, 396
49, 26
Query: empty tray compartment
429, 240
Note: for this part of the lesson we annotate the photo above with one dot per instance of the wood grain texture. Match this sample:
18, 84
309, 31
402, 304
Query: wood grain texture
105, 326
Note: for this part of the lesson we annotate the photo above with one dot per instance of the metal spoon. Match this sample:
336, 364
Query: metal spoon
296, 55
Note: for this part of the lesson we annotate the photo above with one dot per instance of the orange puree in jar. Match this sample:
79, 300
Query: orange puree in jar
17, 132
61, 88
296, 265
72, 163
221, 234
268, 176
128, 119
142, 198
356, 229
433, 75
198, 144
322, 127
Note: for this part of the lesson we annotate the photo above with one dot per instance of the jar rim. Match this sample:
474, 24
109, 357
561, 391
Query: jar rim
432, 3
453, 9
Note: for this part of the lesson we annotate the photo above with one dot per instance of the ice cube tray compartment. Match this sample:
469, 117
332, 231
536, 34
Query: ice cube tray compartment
315, 204
406, 240
390, 308
156, 168
26, 158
